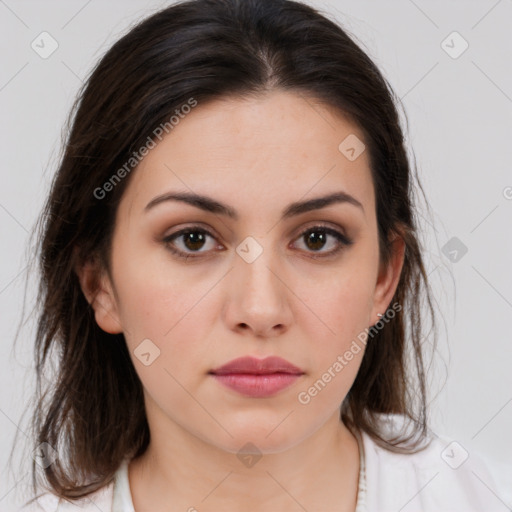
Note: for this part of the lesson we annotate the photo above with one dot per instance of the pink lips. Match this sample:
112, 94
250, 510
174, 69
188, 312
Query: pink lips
257, 378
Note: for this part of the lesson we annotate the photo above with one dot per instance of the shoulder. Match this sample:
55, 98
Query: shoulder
48, 502
444, 476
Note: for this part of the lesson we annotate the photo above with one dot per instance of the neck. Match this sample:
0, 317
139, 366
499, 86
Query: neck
319, 473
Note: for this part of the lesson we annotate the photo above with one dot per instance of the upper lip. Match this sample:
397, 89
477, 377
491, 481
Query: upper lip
254, 366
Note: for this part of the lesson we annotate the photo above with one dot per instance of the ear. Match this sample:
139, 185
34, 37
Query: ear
388, 278
99, 293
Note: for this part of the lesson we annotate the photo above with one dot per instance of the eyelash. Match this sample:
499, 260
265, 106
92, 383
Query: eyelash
343, 240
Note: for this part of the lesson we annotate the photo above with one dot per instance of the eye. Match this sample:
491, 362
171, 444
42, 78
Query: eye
193, 239
316, 238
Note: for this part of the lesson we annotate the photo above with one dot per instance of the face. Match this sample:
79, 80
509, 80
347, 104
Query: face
265, 280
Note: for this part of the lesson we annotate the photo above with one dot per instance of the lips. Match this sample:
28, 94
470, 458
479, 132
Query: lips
257, 378
254, 366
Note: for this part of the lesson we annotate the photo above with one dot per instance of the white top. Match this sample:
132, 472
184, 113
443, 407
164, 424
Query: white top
441, 478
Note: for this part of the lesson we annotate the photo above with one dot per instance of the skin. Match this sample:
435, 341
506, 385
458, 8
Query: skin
257, 156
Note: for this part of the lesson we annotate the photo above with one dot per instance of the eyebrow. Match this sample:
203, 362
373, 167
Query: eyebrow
211, 205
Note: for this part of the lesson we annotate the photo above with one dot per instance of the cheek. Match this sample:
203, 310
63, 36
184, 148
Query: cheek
340, 308
161, 302
153, 294
148, 306
161, 310
336, 321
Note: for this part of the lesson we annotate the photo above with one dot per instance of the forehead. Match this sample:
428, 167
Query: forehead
270, 150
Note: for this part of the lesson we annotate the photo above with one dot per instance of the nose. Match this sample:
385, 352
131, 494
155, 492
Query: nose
257, 297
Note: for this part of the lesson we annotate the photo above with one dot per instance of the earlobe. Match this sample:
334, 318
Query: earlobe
99, 293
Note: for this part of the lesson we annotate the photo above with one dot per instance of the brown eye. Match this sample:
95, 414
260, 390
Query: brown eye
192, 240
317, 238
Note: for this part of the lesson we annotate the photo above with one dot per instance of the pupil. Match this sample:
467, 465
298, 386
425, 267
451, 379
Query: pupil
317, 239
195, 238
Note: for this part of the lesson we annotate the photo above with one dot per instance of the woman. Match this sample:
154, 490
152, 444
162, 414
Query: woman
232, 278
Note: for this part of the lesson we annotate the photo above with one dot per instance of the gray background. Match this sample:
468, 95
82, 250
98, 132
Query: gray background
460, 126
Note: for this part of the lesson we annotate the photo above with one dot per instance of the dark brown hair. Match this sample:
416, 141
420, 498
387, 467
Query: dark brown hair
92, 410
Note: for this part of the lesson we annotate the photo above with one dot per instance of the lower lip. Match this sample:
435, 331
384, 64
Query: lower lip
257, 386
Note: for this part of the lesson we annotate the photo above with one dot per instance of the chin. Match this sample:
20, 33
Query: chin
257, 440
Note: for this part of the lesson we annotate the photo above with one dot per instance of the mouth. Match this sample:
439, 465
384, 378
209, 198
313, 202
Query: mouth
257, 378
